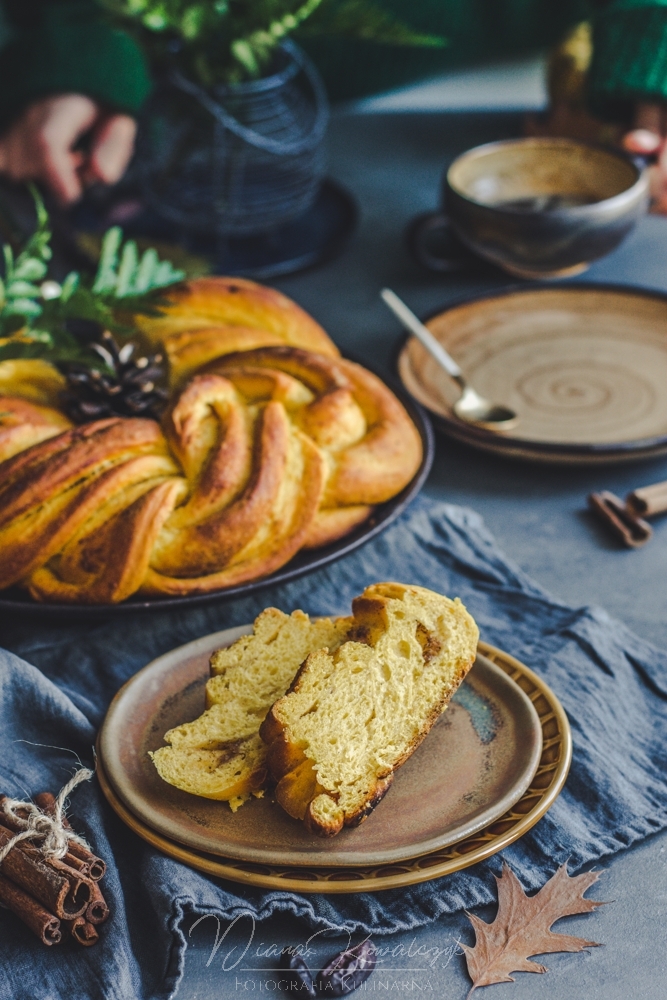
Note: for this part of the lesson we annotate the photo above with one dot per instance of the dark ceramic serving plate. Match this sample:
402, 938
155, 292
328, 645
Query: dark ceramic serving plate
318, 235
17, 602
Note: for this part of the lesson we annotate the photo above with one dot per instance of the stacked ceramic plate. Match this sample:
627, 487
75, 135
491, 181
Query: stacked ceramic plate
487, 771
584, 366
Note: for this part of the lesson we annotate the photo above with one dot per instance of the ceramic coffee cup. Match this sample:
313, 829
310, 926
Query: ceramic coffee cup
538, 208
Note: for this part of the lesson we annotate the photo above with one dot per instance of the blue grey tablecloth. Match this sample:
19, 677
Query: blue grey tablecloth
612, 684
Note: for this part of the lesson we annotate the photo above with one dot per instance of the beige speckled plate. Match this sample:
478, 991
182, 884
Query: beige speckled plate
584, 366
475, 764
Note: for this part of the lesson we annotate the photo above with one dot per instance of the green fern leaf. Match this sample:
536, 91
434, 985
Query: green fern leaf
133, 275
105, 279
127, 270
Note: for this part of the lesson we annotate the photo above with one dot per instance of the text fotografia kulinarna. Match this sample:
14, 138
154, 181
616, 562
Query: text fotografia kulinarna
291, 988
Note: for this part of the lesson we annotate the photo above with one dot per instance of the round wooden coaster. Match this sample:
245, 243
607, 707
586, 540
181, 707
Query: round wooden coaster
544, 789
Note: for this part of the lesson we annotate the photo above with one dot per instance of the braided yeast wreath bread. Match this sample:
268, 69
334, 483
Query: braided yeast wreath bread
353, 715
266, 452
208, 317
220, 755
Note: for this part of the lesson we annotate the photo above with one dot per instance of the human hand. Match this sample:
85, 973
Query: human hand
40, 145
649, 138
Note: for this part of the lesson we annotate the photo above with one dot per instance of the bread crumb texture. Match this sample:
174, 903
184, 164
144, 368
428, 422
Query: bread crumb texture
357, 712
220, 755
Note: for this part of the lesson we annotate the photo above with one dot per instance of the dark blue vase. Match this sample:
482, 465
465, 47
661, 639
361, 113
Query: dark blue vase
235, 160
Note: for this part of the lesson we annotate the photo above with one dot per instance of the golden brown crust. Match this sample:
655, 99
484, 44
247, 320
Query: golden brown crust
190, 350
386, 459
329, 822
285, 755
112, 561
319, 373
280, 537
33, 476
54, 528
248, 510
381, 788
23, 424
47, 497
204, 546
296, 790
333, 523
243, 314
206, 429
32, 379
374, 449
319, 825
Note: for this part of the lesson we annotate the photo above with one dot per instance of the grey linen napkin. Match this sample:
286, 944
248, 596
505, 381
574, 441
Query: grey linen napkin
612, 684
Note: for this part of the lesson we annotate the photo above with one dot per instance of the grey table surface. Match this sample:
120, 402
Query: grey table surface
392, 162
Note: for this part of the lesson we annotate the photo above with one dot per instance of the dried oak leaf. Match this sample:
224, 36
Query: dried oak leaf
522, 926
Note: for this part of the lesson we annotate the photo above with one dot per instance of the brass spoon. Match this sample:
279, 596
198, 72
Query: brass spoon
470, 406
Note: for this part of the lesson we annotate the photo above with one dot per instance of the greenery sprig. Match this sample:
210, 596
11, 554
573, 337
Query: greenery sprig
19, 295
226, 41
36, 319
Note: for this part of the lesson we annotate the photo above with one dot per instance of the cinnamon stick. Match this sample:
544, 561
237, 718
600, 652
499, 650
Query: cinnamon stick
98, 910
77, 864
649, 500
40, 921
82, 931
96, 867
59, 888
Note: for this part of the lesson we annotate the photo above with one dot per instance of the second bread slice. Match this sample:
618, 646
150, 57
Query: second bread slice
219, 755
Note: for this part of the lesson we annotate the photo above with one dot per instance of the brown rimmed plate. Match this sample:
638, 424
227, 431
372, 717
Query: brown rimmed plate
545, 787
17, 601
584, 366
476, 763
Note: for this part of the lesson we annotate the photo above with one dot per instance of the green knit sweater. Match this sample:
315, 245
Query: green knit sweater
65, 46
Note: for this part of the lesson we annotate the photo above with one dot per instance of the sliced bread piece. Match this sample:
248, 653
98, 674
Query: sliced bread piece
353, 715
219, 755
233, 772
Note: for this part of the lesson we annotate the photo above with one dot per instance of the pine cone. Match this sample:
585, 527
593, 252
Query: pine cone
127, 388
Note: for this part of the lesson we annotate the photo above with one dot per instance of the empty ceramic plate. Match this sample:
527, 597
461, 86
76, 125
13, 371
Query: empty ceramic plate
585, 368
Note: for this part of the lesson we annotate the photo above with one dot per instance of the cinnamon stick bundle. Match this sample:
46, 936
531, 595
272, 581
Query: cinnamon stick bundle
59, 888
50, 895
39, 920
95, 866
72, 862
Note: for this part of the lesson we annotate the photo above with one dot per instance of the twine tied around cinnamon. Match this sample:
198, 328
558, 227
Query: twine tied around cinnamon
36, 825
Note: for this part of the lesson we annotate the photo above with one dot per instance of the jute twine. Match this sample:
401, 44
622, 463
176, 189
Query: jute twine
48, 830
